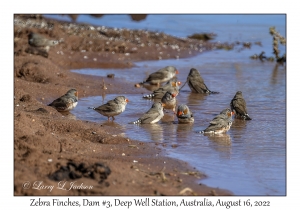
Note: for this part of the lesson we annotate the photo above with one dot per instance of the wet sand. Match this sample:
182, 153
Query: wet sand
51, 147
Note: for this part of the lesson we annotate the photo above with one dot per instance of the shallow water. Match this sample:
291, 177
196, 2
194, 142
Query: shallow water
251, 158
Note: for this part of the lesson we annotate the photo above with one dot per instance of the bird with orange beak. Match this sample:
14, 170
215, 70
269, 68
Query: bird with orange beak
169, 99
184, 115
112, 107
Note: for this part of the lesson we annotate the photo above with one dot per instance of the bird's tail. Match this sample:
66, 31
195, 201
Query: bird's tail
149, 96
247, 117
136, 122
202, 132
213, 92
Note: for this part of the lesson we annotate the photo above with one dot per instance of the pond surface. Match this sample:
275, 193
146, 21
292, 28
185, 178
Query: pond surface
250, 159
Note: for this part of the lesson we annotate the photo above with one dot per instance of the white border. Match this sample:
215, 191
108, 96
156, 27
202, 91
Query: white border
174, 7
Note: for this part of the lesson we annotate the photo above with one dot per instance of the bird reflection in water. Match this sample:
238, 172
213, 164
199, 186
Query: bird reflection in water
155, 130
113, 124
238, 130
196, 99
238, 124
168, 116
184, 130
221, 143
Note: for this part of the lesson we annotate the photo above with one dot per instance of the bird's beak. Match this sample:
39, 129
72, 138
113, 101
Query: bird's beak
76, 94
174, 95
230, 114
163, 104
177, 72
127, 100
179, 113
178, 83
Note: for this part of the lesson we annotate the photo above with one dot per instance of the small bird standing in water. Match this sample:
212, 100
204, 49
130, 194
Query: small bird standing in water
66, 102
162, 75
196, 83
112, 107
169, 99
238, 106
221, 123
184, 115
153, 115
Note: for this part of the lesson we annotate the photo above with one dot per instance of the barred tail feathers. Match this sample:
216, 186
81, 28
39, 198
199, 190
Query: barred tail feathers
136, 122
247, 117
202, 132
151, 95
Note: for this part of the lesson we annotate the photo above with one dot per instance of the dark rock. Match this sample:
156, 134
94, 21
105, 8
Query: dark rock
97, 171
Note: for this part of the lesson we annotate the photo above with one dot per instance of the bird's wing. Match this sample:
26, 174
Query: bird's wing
58, 101
61, 103
216, 126
149, 116
109, 106
240, 106
215, 121
197, 84
156, 75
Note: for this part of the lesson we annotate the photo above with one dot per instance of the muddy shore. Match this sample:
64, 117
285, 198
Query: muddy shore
50, 147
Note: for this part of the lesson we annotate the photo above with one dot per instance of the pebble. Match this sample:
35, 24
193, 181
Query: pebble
111, 75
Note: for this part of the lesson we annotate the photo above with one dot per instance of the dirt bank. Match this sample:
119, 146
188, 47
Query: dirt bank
50, 147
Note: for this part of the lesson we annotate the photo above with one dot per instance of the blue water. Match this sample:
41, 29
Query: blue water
251, 158
229, 28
